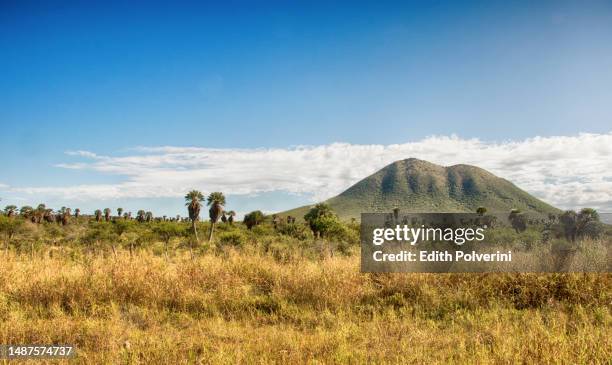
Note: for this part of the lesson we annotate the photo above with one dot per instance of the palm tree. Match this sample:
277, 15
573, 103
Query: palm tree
10, 210
193, 201
149, 216
40, 212
65, 217
517, 220
98, 214
585, 223
119, 211
26, 212
215, 201
107, 213
77, 212
231, 215
140, 216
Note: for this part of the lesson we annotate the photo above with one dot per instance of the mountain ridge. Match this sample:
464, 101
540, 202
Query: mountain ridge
414, 185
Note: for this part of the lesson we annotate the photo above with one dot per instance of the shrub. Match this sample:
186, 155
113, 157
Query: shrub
235, 239
298, 231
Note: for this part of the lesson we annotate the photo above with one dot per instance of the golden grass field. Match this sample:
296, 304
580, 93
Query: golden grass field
246, 307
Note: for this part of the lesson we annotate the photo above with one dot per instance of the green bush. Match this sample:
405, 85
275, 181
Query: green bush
262, 230
235, 239
294, 230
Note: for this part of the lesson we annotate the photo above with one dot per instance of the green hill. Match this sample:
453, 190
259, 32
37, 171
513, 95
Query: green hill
419, 186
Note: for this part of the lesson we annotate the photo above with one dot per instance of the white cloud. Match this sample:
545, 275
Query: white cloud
82, 154
564, 171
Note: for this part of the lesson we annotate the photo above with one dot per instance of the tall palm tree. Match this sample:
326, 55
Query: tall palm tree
119, 211
140, 216
193, 201
107, 213
98, 214
215, 201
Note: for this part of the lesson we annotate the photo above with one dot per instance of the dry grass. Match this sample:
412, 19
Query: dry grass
243, 308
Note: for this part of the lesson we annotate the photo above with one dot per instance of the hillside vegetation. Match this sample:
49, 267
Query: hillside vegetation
420, 186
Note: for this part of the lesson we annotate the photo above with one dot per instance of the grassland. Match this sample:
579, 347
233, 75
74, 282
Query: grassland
273, 299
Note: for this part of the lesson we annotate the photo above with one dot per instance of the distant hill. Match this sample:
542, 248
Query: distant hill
419, 186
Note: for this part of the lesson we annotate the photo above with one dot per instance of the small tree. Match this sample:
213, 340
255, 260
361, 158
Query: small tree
123, 231
141, 216
323, 222
481, 211
253, 219
9, 227
10, 210
168, 230
98, 214
517, 220
119, 212
320, 218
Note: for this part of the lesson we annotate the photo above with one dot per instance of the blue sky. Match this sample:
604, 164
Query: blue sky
108, 78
